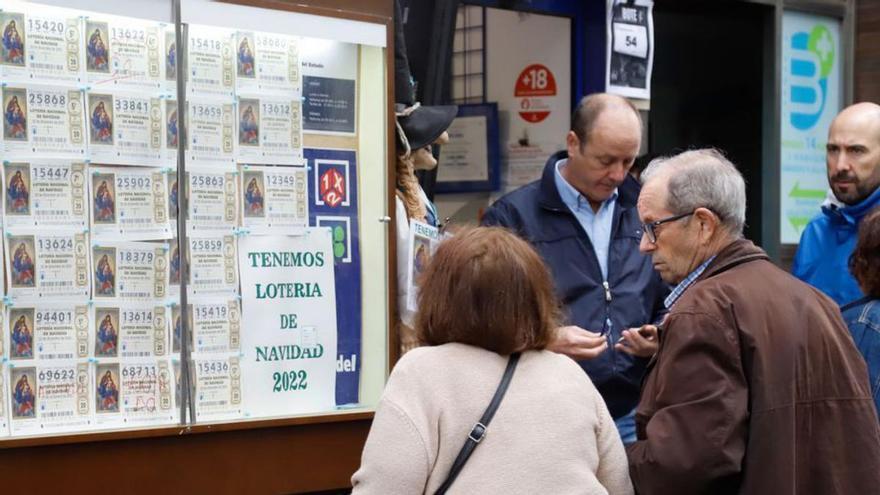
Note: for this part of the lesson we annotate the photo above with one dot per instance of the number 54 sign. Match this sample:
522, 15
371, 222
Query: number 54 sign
631, 39
630, 48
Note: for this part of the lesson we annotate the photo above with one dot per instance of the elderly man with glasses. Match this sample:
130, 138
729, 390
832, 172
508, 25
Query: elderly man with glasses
757, 386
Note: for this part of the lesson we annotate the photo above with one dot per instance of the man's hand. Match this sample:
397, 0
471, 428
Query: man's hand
577, 343
640, 341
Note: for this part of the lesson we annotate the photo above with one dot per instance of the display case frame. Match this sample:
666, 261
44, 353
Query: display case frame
286, 454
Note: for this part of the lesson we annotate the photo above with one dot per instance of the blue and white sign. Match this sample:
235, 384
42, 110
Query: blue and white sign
811, 97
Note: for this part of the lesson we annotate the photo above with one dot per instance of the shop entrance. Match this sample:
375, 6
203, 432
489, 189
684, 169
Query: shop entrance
708, 86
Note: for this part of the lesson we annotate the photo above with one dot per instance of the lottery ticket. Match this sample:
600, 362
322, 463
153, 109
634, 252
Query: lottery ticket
45, 193
270, 130
40, 44
273, 198
128, 204
43, 120
44, 331
129, 270
44, 263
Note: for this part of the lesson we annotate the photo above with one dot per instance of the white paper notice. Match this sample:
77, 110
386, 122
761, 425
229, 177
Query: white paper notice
289, 311
466, 156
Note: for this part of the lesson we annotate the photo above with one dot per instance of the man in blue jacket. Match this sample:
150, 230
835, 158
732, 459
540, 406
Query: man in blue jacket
853, 160
581, 217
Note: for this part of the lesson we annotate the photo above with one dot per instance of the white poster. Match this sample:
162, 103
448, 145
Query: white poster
289, 319
529, 77
811, 97
630, 58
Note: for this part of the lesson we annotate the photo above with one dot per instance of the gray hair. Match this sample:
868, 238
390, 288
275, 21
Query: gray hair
703, 178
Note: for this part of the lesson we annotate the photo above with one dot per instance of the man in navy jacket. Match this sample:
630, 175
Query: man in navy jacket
581, 217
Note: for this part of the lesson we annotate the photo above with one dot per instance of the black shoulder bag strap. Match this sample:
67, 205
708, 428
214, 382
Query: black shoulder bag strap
479, 430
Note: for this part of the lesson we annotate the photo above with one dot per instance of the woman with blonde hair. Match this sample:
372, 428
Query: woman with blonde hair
487, 296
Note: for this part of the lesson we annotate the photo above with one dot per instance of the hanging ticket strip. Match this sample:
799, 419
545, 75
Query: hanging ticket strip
92, 326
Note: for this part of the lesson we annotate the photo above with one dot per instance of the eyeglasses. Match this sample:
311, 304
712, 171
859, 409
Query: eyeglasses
650, 229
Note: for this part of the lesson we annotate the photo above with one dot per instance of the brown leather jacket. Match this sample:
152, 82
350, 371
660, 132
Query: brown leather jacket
757, 388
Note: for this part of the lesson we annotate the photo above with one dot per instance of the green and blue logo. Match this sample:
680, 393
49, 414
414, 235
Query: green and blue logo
812, 58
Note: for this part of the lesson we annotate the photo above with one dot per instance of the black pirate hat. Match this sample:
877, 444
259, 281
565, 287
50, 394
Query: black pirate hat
422, 125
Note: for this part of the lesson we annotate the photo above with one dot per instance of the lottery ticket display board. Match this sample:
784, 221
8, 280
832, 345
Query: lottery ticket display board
175, 250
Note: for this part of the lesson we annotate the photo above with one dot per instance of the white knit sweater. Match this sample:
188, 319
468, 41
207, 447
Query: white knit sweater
551, 434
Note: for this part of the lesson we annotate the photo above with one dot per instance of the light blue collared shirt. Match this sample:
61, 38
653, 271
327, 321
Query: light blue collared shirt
597, 225
684, 284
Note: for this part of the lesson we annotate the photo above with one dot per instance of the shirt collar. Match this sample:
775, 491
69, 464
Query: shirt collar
684, 284
571, 196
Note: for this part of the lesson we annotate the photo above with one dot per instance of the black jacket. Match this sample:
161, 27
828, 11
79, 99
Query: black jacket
536, 212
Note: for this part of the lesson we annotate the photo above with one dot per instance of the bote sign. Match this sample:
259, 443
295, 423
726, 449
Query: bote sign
533, 87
